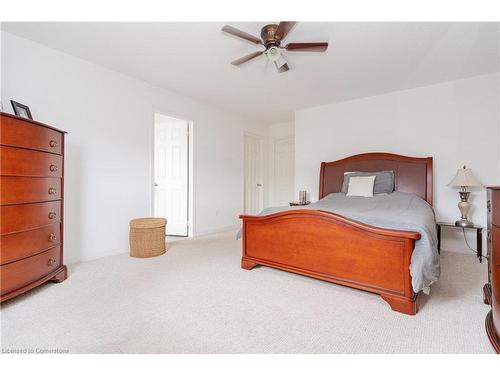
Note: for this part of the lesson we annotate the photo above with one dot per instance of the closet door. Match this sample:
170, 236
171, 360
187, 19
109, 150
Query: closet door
253, 177
171, 174
283, 171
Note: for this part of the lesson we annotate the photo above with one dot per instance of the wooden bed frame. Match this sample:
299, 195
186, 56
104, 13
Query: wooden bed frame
333, 248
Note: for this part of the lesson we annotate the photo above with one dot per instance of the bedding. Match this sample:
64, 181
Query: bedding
397, 210
384, 181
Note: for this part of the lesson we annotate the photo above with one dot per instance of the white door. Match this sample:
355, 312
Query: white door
253, 193
283, 181
171, 173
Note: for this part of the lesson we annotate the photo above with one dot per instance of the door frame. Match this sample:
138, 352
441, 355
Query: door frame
190, 172
262, 139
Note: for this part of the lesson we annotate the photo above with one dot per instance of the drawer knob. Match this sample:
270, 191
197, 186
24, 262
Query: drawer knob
51, 262
52, 237
52, 215
52, 143
53, 168
52, 191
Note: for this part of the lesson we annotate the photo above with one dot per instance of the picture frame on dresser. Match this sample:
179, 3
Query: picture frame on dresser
21, 110
31, 205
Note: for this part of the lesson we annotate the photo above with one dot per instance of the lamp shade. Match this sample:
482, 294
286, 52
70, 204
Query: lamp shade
464, 177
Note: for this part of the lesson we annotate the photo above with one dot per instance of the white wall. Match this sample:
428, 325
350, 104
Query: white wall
109, 119
455, 122
282, 130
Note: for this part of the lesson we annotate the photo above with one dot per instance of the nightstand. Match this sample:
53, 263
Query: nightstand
479, 236
300, 203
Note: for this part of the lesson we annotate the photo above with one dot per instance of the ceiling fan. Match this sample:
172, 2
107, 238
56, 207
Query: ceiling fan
272, 36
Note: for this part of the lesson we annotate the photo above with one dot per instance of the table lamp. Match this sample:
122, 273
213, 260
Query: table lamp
464, 179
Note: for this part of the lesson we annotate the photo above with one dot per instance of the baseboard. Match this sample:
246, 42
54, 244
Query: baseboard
70, 262
234, 228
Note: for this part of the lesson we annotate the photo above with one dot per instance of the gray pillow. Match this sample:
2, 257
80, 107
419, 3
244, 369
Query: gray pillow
384, 181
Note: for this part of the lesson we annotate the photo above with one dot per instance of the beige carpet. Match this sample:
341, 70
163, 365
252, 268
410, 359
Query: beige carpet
196, 299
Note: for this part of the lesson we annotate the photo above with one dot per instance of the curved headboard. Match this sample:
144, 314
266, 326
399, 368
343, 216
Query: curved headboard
411, 175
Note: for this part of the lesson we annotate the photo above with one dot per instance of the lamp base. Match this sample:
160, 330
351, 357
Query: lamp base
464, 223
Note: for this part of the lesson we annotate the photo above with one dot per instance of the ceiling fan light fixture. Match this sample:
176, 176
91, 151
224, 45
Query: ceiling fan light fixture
281, 64
273, 54
280, 61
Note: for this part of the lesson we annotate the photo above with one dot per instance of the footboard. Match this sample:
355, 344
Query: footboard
333, 248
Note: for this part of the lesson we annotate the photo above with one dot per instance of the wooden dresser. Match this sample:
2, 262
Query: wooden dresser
492, 289
31, 205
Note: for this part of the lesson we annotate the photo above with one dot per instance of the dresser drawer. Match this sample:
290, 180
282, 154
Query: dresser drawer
495, 282
22, 162
20, 217
494, 207
17, 132
495, 246
29, 189
20, 245
18, 274
495, 262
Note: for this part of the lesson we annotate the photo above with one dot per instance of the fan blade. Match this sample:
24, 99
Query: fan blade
283, 29
314, 46
244, 59
241, 34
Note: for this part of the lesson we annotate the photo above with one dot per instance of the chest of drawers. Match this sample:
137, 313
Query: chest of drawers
31, 205
492, 289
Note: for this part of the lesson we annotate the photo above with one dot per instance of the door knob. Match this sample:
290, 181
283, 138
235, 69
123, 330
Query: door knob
259, 185
156, 184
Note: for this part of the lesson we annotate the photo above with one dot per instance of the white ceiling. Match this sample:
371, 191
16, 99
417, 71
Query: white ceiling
363, 59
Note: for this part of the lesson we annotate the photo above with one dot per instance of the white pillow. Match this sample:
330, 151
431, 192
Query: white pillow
361, 186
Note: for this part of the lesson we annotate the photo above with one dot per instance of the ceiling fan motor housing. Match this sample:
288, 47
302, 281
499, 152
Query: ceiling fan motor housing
268, 35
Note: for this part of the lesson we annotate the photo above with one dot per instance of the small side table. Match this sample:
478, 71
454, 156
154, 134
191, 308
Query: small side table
479, 237
300, 203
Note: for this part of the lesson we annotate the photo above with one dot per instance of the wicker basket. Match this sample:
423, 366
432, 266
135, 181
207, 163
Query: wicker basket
147, 237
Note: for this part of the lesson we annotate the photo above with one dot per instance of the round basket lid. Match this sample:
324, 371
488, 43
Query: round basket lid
148, 222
